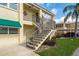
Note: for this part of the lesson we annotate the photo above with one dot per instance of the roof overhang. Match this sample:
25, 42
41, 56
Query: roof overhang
39, 7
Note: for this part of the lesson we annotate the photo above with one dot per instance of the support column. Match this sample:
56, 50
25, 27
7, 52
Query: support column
41, 19
21, 38
52, 24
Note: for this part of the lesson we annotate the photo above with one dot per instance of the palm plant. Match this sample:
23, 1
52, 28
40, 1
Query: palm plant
73, 11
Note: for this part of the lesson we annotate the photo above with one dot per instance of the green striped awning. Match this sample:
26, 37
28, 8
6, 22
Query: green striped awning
9, 23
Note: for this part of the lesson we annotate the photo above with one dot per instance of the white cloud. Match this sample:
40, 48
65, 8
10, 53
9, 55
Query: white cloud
54, 11
61, 20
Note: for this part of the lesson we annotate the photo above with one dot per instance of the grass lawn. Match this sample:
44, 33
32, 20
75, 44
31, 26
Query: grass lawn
65, 47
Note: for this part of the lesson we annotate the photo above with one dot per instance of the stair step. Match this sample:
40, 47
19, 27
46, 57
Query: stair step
39, 36
30, 46
37, 40
33, 43
42, 34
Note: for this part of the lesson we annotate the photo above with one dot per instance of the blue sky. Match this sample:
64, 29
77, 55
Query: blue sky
57, 8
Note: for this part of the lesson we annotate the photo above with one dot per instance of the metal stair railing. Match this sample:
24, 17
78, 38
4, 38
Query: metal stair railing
37, 21
34, 34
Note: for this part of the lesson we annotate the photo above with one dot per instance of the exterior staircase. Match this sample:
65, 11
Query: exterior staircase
39, 39
41, 34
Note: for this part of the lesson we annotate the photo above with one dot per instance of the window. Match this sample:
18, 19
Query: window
4, 4
13, 31
6, 30
13, 6
3, 30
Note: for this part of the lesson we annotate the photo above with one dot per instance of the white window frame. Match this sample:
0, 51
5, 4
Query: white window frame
12, 33
8, 30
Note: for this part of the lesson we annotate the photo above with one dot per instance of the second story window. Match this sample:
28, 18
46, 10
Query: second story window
13, 6
4, 4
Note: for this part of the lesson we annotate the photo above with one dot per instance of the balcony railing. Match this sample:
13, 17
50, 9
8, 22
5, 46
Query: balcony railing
26, 18
41, 23
37, 21
47, 23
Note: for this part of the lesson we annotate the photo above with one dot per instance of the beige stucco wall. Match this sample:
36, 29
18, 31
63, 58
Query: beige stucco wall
28, 23
8, 39
7, 13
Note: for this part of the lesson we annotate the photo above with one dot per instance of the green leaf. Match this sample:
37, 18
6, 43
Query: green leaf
67, 16
69, 8
74, 14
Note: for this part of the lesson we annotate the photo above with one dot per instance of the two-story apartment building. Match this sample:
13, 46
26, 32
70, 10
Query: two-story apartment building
21, 22
67, 27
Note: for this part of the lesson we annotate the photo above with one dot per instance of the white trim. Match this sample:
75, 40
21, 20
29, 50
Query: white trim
9, 26
8, 30
8, 5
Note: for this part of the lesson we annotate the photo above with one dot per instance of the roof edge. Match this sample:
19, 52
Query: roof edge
39, 7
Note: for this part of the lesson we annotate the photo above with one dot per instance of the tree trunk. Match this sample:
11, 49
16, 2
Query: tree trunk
76, 26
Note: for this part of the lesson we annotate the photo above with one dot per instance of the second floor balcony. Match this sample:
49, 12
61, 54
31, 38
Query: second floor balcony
37, 17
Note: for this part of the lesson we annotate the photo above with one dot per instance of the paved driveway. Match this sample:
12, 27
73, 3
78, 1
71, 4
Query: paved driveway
16, 51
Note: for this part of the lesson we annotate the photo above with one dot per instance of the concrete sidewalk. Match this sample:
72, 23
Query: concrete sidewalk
76, 53
16, 51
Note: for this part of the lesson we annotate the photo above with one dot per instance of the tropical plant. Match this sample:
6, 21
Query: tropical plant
73, 11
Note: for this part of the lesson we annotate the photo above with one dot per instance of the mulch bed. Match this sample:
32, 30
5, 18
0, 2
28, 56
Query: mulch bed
46, 45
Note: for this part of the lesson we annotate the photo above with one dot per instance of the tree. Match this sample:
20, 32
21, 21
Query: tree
73, 11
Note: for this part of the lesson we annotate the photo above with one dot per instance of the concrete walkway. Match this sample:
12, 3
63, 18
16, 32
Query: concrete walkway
16, 51
76, 53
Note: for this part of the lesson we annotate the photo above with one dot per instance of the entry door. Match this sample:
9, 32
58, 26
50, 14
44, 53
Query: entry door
27, 34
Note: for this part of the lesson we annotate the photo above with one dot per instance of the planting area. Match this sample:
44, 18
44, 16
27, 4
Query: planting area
64, 47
